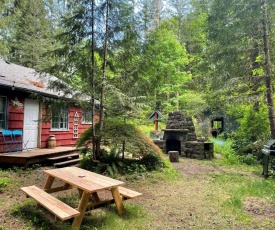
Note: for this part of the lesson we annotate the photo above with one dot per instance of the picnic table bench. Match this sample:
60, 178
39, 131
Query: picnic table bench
49, 202
88, 184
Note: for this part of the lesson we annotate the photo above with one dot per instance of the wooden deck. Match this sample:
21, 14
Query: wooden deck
33, 156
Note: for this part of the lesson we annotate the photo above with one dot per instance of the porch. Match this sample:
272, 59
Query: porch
38, 156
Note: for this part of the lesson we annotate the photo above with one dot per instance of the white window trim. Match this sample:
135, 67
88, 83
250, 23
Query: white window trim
62, 129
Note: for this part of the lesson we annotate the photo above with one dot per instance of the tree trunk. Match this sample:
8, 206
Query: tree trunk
268, 72
103, 84
93, 85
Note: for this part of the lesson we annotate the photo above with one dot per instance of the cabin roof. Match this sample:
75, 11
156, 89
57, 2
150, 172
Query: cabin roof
17, 77
25, 79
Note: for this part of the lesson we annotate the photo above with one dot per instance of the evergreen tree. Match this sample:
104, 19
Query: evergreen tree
236, 56
5, 16
87, 49
32, 36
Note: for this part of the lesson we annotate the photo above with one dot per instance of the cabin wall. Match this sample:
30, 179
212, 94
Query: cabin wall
15, 117
63, 138
15, 121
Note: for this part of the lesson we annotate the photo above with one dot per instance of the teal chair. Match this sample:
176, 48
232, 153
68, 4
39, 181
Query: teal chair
8, 140
18, 141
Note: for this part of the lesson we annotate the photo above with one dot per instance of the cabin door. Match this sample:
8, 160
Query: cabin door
31, 117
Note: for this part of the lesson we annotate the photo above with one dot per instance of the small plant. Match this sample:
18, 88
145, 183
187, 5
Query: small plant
250, 159
136, 168
3, 183
16, 104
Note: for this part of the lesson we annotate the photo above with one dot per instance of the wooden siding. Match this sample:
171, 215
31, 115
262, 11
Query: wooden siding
63, 138
15, 120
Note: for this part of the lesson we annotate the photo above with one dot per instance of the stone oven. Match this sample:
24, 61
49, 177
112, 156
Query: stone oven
180, 135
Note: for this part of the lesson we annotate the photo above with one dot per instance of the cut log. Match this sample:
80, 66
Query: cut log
173, 156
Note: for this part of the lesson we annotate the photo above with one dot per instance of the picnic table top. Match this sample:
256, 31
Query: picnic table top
83, 179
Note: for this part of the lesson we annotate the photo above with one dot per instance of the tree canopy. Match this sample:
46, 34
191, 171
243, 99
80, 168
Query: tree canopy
204, 56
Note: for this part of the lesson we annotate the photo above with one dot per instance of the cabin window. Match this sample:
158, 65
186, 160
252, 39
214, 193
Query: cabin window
60, 119
87, 117
3, 112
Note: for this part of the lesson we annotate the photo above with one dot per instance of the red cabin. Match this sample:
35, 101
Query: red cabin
18, 111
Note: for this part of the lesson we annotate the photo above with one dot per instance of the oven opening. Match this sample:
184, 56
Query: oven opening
173, 145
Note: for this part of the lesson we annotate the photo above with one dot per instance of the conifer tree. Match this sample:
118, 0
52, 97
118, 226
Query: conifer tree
4, 29
32, 34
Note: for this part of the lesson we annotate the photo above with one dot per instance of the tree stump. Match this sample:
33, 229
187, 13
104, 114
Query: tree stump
173, 156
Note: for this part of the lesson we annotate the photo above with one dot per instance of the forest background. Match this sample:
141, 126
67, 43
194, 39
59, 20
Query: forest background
211, 58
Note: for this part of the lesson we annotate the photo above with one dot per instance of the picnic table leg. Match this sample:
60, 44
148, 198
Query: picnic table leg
80, 192
49, 182
95, 197
67, 186
118, 200
81, 208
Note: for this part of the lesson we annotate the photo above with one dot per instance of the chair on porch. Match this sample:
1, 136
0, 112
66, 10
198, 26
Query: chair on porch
8, 140
18, 141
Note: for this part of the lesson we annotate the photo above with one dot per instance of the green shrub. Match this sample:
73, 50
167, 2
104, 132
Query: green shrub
120, 142
253, 130
229, 156
118, 166
250, 159
4, 181
152, 162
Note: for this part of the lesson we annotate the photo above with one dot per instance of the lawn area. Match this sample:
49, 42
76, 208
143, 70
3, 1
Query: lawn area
192, 194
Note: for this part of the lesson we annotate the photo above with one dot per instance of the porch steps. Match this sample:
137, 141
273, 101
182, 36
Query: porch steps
66, 163
64, 160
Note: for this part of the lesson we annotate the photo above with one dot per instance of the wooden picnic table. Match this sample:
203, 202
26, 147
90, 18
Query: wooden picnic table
87, 183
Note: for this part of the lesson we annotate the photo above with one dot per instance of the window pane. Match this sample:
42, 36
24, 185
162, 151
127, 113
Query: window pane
2, 121
3, 105
60, 119
87, 117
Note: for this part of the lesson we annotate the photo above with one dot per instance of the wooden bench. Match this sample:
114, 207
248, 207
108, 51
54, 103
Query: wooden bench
128, 193
125, 193
52, 204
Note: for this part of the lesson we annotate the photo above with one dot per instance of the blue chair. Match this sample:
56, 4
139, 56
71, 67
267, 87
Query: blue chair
18, 141
8, 140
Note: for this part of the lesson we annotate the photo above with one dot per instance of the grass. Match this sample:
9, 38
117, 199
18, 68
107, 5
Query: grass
107, 219
104, 218
237, 186
167, 173
211, 200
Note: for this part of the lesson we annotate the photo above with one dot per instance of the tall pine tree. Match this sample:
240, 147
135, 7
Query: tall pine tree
32, 34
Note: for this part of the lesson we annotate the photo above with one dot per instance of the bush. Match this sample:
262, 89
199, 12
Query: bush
250, 159
152, 162
225, 149
252, 132
119, 136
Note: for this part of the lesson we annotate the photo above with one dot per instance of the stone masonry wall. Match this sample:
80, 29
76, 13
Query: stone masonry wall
179, 123
179, 120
